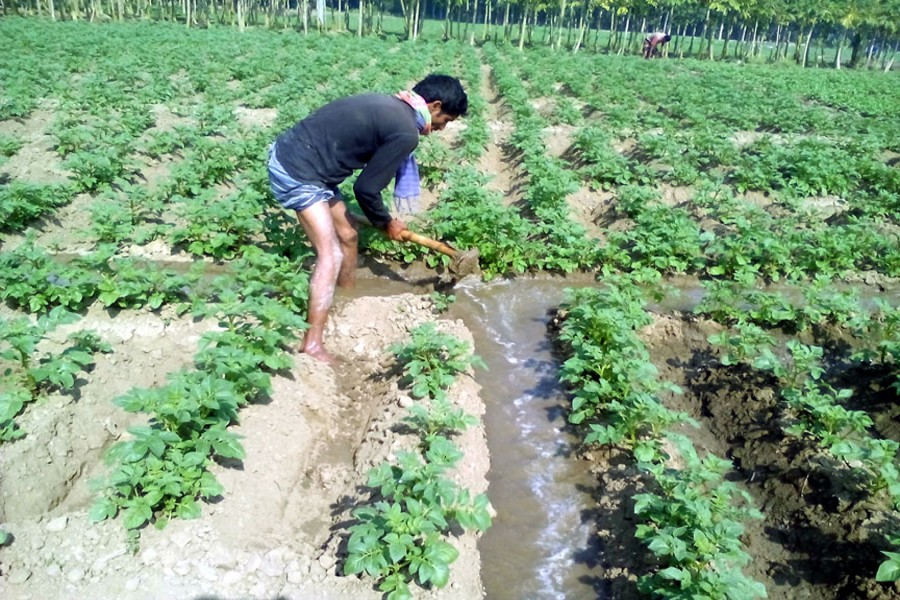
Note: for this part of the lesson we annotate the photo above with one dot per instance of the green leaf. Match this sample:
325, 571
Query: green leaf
188, 508
102, 509
136, 516
676, 574
889, 570
209, 486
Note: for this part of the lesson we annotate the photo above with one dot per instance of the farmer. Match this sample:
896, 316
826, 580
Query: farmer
373, 132
653, 43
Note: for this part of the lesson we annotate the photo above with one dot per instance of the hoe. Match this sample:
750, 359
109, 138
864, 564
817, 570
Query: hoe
462, 262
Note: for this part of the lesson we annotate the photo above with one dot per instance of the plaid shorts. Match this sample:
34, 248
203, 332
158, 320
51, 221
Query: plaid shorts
293, 194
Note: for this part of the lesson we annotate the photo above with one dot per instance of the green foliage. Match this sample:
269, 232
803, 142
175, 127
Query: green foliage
162, 471
441, 302
470, 216
219, 228
749, 342
693, 526
117, 216
9, 145
664, 239
401, 537
134, 284
433, 158
432, 360
22, 203
603, 166
809, 167
260, 274
98, 170
693, 522
604, 355
440, 418
33, 281
261, 326
30, 372
889, 570
171, 141
881, 336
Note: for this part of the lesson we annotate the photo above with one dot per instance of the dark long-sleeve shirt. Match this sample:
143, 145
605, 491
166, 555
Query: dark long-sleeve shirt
372, 132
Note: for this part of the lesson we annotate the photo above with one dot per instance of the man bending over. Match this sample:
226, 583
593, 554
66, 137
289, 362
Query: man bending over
376, 133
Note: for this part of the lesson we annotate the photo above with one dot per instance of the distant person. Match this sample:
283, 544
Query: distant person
376, 133
654, 42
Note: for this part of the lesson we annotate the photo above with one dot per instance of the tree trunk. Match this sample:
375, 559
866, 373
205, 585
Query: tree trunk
787, 44
890, 63
506, 22
523, 24
320, 15
725, 45
855, 46
621, 47
582, 27
487, 20
405, 10
704, 32
598, 23
612, 29
870, 52
809, 35
774, 54
739, 47
447, 24
754, 41
562, 17
303, 15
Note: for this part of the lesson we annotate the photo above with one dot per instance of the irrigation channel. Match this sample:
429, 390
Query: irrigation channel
541, 545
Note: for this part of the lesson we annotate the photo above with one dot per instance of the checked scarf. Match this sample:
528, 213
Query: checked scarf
406, 186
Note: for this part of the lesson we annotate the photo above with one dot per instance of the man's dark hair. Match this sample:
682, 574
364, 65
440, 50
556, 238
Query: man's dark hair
667, 38
448, 90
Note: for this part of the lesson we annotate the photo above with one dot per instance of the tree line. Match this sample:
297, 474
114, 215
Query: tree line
809, 32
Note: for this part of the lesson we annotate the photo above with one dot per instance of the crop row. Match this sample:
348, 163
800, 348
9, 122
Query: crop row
806, 139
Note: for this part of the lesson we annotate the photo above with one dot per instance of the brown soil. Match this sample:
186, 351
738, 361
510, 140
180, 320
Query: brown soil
821, 536
279, 529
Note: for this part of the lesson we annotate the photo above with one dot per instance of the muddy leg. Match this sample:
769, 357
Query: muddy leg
319, 225
346, 228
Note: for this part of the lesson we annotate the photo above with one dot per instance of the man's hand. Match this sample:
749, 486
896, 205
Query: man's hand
395, 229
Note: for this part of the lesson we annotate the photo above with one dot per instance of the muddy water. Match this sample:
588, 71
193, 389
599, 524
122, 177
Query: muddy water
541, 545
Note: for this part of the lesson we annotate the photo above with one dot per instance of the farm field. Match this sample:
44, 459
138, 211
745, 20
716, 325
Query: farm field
160, 438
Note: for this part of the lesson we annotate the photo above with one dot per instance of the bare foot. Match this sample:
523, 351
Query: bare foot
320, 354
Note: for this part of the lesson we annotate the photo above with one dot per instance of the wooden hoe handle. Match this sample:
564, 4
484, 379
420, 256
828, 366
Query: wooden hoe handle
409, 236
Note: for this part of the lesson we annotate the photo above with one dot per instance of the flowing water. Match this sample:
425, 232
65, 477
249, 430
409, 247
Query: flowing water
541, 545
